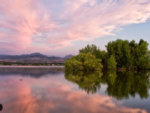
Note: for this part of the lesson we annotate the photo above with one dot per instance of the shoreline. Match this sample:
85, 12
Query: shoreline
30, 66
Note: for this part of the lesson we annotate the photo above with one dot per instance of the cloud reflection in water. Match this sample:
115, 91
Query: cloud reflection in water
53, 95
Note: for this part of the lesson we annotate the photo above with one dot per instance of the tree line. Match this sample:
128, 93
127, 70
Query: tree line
119, 54
30, 63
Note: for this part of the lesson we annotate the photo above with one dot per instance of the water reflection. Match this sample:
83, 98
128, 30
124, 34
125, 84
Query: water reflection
35, 72
52, 93
88, 81
129, 84
119, 85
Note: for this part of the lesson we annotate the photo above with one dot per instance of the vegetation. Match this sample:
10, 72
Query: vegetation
129, 55
121, 55
84, 62
111, 63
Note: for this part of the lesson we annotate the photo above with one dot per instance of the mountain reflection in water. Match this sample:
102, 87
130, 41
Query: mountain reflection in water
52, 90
31, 71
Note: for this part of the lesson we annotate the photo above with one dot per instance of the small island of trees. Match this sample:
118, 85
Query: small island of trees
120, 55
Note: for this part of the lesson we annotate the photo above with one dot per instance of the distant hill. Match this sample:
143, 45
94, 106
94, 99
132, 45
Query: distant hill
67, 56
34, 57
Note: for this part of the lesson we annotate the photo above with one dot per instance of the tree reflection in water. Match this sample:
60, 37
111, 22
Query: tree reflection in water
90, 82
120, 85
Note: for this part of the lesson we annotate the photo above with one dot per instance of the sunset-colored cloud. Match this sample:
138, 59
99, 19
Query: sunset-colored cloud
31, 25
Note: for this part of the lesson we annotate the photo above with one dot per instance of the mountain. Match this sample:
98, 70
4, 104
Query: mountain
67, 56
34, 57
36, 54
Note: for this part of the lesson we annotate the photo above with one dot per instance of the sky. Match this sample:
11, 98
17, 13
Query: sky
62, 27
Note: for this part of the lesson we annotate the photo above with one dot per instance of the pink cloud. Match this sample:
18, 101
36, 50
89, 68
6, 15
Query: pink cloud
31, 25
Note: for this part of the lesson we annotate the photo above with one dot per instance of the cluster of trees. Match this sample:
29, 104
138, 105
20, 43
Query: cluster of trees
84, 62
120, 54
129, 55
131, 84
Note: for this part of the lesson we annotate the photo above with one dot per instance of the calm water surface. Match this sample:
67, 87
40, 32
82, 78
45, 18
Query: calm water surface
52, 90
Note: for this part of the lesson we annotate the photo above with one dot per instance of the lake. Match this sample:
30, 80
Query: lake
53, 90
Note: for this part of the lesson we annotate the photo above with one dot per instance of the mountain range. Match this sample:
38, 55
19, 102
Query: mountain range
34, 57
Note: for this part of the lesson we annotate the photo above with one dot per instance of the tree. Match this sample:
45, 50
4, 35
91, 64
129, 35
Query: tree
111, 63
120, 54
115, 48
141, 60
94, 50
86, 62
93, 64
127, 60
129, 55
90, 49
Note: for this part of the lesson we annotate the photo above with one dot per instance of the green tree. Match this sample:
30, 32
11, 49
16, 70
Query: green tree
129, 55
111, 63
85, 62
122, 54
94, 50
127, 59
141, 59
